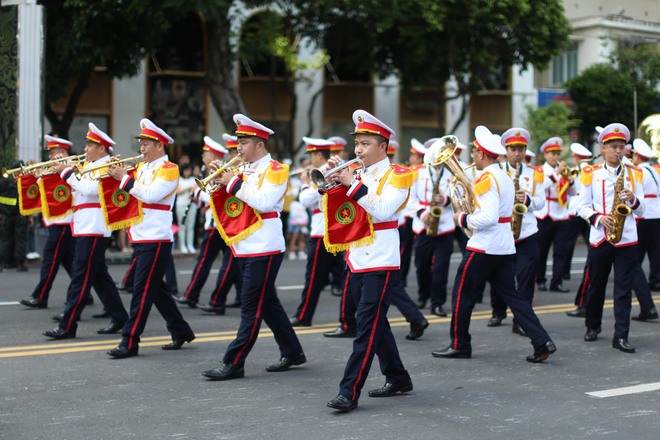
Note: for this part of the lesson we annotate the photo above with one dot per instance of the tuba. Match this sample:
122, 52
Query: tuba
519, 209
460, 190
619, 210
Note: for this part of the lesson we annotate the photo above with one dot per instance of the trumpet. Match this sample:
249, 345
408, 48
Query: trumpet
301, 170
236, 166
320, 178
79, 171
14, 172
570, 173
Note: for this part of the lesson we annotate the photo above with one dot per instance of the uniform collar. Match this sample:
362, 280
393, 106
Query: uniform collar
157, 162
101, 160
377, 167
613, 170
267, 158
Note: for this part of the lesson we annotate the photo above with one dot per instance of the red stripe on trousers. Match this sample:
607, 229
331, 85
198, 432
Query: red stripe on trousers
222, 281
374, 326
144, 298
311, 281
342, 316
130, 269
52, 265
199, 266
82, 291
586, 286
257, 317
458, 299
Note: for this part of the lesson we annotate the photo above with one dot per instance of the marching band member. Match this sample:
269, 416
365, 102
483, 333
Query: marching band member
60, 244
530, 157
92, 239
229, 262
259, 250
319, 261
490, 255
553, 217
382, 192
429, 197
613, 236
154, 185
528, 182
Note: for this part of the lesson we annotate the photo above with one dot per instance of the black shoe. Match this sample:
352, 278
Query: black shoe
343, 404
295, 322
121, 352
623, 345
592, 335
101, 315
542, 287
496, 320
421, 303
57, 318
225, 372
438, 311
234, 305
336, 291
559, 288
579, 312
417, 330
58, 333
567, 276
390, 389
542, 353
644, 315
21, 268
113, 327
35, 303
286, 363
178, 342
516, 328
212, 309
339, 333
450, 353
183, 300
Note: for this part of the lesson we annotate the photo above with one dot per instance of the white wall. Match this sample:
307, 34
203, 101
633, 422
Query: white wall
386, 103
523, 93
129, 99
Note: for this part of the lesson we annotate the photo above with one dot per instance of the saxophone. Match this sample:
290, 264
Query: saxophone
519, 209
619, 210
436, 209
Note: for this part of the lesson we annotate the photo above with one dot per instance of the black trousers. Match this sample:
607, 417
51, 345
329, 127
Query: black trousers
212, 244
648, 232
398, 296
601, 259
58, 250
432, 256
527, 253
170, 274
406, 239
259, 302
317, 276
461, 239
229, 275
371, 291
499, 270
151, 260
552, 233
575, 228
89, 268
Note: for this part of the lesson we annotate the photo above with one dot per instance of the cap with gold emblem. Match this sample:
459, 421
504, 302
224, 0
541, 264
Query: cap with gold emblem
153, 132
316, 144
56, 142
614, 131
580, 151
230, 141
339, 143
95, 135
515, 136
214, 147
247, 127
487, 142
641, 148
555, 143
392, 147
366, 123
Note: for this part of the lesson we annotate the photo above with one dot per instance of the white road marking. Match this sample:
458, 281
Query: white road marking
614, 392
9, 303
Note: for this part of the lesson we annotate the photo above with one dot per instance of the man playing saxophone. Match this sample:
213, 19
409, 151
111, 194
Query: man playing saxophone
610, 193
529, 197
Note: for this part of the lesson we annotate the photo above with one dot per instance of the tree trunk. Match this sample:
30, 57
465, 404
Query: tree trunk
61, 125
220, 78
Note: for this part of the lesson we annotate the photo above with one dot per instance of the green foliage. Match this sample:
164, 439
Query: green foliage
552, 120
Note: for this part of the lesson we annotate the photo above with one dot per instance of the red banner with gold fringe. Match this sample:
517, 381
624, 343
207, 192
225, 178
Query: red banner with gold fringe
120, 209
29, 201
347, 224
234, 219
56, 200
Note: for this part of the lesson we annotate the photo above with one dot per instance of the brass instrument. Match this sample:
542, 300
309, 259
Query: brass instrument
435, 208
570, 173
320, 178
649, 130
301, 170
236, 165
460, 190
591, 159
519, 209
40, 168
619, 210
80, 170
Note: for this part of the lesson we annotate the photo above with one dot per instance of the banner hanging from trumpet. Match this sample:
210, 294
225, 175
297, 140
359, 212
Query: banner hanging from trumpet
56, 200
120, 209
29, 201
348, 225
234, 219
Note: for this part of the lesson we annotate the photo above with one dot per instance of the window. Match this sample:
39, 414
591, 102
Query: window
564, 66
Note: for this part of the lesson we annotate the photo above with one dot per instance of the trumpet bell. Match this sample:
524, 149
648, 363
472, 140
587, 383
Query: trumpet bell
236, 165
320, 178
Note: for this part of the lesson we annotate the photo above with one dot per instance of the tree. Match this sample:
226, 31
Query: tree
551, 120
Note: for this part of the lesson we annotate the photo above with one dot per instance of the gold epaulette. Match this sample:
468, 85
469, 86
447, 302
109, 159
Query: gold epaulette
140, 165
401, 177
277, 173
539, 175
637, 173
586, 175
169, 171
482, 185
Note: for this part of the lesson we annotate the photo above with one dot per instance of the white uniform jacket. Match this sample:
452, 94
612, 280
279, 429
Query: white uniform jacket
597, 195
552, 207
87, 214
651, 186
259, 191
421, 195
384, 207
532, 182
155, 185
491, 220
311, 199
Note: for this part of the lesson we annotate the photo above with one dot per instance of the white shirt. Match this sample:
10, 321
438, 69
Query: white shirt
421, 195
651, 186
534, 201
552, 207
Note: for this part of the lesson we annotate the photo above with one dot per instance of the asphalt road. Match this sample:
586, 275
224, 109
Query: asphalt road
72, 390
